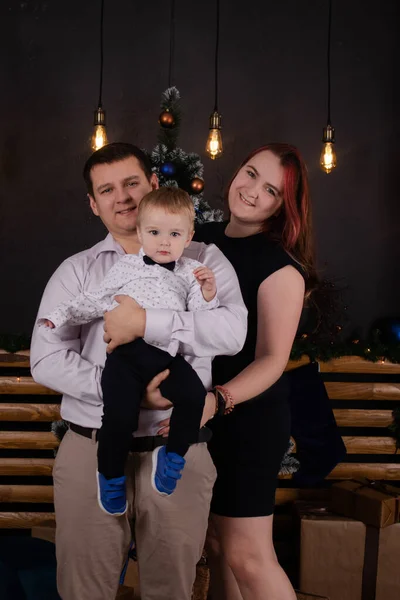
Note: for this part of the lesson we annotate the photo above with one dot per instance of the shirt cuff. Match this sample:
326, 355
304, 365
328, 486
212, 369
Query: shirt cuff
158, 330
204, 305
57, 321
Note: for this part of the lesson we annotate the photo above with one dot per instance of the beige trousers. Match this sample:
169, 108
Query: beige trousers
92, 546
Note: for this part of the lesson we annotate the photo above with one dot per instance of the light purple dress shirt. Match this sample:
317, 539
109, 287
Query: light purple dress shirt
70, 359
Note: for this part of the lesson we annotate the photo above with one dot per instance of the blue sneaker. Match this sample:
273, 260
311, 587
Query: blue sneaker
111, 495
166, 470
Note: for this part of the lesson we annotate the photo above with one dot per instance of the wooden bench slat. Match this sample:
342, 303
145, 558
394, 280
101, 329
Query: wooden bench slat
336, 390
9, 359
349, 417
44, 466
26, 493
29, 412
367, 444
23, 385
24, 520
28, 440
345, 364
388, 471
26, 466
362, 391
349, 364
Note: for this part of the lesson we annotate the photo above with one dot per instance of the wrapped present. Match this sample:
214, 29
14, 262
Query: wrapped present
344, 559
371, 502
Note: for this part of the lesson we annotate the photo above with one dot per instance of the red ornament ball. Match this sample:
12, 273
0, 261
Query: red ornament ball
166, 120
197, 185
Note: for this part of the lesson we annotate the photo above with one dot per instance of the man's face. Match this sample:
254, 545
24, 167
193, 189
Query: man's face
118, 189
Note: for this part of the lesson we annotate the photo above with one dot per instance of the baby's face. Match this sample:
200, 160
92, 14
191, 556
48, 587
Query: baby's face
164, 235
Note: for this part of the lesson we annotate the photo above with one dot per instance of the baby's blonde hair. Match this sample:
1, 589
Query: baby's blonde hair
171, 199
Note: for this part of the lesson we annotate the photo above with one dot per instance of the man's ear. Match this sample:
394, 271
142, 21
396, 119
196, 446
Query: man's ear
93, 205
154, 182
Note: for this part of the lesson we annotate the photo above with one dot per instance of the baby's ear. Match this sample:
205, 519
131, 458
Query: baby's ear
139, 234
189, 239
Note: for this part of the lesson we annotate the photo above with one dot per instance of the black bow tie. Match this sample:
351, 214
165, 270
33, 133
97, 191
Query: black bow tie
149, 261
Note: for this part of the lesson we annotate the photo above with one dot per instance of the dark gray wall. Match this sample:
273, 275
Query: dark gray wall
272, 87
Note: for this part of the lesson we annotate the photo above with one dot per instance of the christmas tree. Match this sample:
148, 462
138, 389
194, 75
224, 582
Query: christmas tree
175, 167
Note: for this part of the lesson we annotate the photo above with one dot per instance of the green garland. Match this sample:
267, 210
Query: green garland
14, 342
373, 349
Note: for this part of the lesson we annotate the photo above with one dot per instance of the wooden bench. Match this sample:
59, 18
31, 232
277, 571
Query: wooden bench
363, 396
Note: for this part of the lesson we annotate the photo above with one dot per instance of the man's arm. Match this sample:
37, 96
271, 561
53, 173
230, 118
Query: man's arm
207, 332
90, 305
55, 354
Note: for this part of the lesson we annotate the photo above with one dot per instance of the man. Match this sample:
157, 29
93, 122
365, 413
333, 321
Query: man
92, 546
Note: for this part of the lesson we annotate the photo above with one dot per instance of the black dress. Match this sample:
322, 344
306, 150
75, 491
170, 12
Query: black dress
248, 445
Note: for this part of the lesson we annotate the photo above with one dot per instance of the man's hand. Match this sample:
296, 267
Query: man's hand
124, 323
153, 398
208, 413
206, 280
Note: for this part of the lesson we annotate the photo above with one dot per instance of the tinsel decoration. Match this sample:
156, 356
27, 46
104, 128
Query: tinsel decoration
59, 428
188, 168
170, 103
371, 349
289, 464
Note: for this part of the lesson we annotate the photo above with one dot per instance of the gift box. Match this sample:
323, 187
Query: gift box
344, 559
371, 502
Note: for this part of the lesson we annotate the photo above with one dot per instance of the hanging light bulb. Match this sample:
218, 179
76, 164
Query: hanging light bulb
214, 140
99, 137
328, 154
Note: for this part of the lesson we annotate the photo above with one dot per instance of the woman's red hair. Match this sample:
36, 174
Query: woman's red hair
292, 227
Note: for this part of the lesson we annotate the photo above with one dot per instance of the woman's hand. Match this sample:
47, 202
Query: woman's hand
124, 323
209, 408
208, 413
153, 399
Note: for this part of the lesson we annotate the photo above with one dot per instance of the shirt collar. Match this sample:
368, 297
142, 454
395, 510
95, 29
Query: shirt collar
109, 244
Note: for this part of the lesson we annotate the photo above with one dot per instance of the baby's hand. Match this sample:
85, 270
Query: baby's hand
206, 279
48, 323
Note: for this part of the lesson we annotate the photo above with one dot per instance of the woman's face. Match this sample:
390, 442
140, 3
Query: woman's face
256, 192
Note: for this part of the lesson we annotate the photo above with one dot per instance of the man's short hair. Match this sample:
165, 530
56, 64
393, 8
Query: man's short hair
113, 153
171, 199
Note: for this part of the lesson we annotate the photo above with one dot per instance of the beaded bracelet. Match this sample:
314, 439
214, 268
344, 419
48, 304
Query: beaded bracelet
228, 400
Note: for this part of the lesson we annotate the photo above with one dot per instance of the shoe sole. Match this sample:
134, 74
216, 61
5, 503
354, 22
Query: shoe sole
153, 472
120, 514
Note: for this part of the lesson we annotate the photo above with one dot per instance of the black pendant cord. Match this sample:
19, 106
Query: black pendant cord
171, 43
329, 61
101, 54
216, 57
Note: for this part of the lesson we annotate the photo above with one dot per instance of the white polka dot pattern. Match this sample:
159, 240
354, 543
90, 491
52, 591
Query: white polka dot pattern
152, 286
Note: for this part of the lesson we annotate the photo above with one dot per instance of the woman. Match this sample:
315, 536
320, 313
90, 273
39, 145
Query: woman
268, 241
